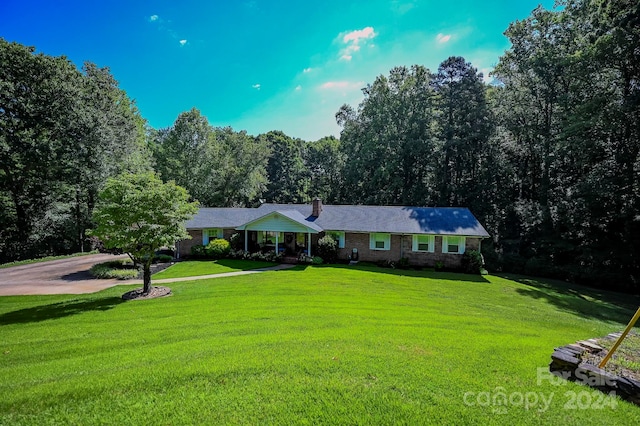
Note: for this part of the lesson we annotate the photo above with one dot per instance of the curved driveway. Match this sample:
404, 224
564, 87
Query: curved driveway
63, 276
71, 276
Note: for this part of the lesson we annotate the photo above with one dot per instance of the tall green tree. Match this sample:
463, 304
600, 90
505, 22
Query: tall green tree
36, 92
289, 178
243, 174
62, 132
389, 140
140, 214
568, 110
325, 162
218, 166
189, 154
464, 129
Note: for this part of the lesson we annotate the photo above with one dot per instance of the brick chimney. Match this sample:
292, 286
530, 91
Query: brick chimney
317, 207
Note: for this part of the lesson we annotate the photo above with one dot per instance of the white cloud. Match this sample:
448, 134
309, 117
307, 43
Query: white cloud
307, 70
357, 35
183, 42
443, 38
355, 39
298, 88
256, 86
153, 18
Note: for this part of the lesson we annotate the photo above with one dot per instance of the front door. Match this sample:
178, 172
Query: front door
290, 242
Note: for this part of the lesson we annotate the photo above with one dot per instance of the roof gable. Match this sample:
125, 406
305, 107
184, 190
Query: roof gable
282, 221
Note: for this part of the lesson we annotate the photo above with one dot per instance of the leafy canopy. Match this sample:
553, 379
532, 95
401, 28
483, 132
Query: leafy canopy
139, 214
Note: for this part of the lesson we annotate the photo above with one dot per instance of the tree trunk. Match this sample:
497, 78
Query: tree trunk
147, 276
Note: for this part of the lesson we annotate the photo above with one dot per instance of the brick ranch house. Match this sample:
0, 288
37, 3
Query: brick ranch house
423, 235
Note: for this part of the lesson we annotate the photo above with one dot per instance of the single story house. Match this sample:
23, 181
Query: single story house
423, 235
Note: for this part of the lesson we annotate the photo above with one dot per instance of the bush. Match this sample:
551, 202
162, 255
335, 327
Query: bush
317, 260
115, 269
236, 242
386, 264
269, 256
217, 249
403, 263
472, 262
198, 252
238, 254
162, 258
328, 248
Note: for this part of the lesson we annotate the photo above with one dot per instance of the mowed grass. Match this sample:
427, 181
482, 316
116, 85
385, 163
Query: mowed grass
194, 268
315, 345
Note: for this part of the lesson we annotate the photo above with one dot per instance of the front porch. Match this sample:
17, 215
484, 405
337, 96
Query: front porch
284, 232
289, 244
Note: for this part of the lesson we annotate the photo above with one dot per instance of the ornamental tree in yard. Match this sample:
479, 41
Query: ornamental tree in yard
139, 214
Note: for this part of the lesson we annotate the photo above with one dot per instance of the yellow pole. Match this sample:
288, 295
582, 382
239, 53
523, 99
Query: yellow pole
620, 339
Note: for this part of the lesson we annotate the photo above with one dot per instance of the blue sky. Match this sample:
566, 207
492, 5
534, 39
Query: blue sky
260, 65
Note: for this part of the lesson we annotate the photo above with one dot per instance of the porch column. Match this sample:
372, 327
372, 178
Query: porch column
309, 244
277, 242
246, 240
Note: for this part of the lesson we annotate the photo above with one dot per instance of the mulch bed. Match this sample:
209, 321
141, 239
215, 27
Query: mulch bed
578, 362
612, 366
155, 292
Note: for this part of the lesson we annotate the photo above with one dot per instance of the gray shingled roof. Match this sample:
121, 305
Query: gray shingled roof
395, 220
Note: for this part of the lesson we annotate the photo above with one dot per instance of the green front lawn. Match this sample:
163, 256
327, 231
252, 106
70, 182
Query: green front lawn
314, 345
193, 268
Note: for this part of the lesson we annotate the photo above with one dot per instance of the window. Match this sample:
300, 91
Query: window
453, 245
211, 234
338, 236
423, 243
379, 241
268, 237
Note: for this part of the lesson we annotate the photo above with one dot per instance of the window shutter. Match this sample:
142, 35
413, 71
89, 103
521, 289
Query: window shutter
461, 245
205, 237
414, 245
372, 241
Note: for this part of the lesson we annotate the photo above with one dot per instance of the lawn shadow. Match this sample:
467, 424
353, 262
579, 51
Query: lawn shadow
584, 301
423, 273
58, 310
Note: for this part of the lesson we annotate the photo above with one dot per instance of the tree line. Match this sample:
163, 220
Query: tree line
546, 156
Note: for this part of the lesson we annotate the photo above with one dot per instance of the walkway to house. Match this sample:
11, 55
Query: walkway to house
71, 276
278, 267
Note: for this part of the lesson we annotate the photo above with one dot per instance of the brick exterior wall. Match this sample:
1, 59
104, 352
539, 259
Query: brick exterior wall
401, 246
183, 247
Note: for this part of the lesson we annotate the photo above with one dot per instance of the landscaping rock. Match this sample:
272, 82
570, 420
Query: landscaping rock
575, 362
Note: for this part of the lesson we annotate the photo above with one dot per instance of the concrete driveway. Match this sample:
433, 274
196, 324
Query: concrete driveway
64, 276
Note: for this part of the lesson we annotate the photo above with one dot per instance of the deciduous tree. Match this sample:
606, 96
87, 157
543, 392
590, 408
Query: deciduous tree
140, 214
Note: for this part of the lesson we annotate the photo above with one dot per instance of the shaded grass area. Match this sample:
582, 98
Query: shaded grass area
332, 345
44, 259
193, 268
